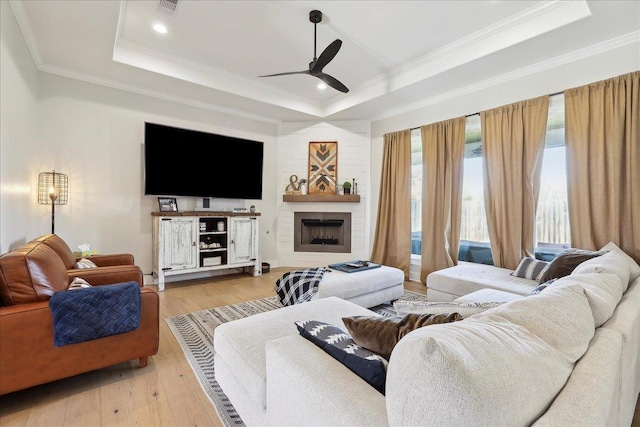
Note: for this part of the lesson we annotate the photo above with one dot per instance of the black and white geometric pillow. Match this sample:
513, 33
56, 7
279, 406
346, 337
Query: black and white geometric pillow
530, 268
368, 365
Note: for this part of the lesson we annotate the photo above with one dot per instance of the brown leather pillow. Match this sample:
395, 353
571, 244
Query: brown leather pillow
381, 334
566, 262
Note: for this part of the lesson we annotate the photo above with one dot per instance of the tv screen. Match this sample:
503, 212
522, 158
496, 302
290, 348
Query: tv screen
181, 162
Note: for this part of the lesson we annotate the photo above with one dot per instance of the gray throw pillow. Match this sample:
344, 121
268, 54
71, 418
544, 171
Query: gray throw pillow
530, 268
566, 262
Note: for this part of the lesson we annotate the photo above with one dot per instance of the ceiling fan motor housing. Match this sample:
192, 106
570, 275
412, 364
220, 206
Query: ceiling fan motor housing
315, 16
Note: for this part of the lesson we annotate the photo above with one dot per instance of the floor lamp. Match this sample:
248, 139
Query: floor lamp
53, 189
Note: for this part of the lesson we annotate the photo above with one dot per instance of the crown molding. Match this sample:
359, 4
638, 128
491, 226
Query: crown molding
530, 23
27, 32
633, 37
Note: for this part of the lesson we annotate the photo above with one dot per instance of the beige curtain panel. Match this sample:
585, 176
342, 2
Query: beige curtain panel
513, 144
442, 166
392, 241
602, 130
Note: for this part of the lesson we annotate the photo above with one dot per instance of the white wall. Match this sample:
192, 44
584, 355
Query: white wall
95, 135
597, 67
19, 156
353, 139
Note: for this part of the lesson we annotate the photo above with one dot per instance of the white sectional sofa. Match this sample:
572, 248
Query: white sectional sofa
569, 356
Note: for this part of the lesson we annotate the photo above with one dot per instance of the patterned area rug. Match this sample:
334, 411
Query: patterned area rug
194, 333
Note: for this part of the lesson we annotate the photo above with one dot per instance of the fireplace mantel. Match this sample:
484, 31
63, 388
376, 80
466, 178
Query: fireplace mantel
329, 198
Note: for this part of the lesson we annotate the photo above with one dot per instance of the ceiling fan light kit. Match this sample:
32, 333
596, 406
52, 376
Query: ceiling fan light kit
318, 63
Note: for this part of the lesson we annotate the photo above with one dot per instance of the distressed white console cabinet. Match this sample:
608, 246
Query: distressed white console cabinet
193, 242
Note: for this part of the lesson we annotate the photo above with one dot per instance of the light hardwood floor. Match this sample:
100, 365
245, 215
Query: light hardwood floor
166, 392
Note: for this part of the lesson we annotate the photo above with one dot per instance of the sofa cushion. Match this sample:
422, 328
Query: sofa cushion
465, 309
499, 372
31, 273
561, 316
60, 247
634, 268
381, 334
593, 379
368, 365
611, 262
566, 262
603, 290
530, 268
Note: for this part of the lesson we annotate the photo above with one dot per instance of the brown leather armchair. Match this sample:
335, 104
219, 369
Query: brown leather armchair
29, 276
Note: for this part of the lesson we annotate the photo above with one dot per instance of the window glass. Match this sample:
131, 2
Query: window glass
416, 192
474, 234
552, 214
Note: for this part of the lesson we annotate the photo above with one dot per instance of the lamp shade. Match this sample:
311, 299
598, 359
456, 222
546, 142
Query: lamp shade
53, 188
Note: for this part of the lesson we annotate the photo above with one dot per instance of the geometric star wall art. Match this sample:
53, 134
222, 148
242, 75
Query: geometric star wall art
323, 167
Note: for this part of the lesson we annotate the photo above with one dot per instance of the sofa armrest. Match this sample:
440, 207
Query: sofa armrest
306, 386
110, 259
108, 275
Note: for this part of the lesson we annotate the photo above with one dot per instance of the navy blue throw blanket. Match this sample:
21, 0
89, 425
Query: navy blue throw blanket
86, 314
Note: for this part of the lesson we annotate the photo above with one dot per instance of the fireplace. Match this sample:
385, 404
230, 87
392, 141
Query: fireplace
322, 232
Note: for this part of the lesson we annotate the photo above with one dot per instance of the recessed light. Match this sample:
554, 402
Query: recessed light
322, 86
160, 28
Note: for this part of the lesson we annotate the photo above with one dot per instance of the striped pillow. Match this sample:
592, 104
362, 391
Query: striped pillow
530, 268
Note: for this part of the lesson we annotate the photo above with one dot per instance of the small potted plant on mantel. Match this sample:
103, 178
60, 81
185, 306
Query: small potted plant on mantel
346, 187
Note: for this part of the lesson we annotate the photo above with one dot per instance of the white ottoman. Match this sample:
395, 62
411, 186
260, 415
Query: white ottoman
366, 288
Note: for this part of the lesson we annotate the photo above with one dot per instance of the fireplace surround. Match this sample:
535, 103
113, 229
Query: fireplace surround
328, 232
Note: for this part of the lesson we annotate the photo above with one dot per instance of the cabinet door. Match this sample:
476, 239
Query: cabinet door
177, 243
244, 239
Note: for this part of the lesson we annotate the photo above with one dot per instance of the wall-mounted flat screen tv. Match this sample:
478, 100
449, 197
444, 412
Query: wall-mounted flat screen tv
182, 162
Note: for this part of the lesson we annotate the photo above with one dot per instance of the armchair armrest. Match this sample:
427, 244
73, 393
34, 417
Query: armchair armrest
28, 356
110, 259
108, 275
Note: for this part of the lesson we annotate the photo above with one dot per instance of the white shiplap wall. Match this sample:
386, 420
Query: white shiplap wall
354, 154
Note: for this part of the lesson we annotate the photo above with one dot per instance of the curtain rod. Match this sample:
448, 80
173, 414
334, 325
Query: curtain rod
469, 115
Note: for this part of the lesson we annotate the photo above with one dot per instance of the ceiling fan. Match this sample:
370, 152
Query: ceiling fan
316, 66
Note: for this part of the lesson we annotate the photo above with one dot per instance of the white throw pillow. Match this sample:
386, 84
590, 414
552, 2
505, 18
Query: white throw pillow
465, 309
478, 371
603, 290
611, 262
561, 316
634, 268
85, 263
78, 283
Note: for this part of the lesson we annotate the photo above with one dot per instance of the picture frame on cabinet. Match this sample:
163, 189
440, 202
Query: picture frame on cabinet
167, 204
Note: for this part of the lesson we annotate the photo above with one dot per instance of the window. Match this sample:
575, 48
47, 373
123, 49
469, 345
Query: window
416, 192
474, 233
552, 214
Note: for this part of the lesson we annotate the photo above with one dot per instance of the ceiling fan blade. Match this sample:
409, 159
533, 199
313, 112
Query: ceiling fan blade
332, 81
326, 56
287, 74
